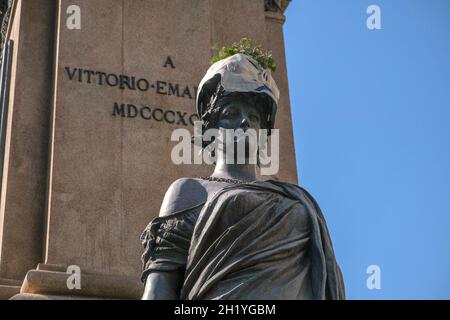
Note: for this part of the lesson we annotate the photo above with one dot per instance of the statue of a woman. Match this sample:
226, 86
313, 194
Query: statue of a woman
229, 236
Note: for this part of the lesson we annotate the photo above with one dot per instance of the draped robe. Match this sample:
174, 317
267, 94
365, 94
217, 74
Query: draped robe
259, 240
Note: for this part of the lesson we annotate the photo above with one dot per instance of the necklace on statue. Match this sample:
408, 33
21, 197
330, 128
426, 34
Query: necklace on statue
228, 180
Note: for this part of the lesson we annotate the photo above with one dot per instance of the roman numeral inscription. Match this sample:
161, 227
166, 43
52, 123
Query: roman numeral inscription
134, 83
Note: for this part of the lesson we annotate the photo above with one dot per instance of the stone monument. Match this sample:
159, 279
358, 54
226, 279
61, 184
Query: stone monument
91, 91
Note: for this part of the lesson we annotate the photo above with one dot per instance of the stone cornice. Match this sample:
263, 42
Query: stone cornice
276, 5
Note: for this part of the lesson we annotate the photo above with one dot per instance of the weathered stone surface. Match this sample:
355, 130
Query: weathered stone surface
92, 285
7, 291
9, 288
25, 171
10, 282
275, 41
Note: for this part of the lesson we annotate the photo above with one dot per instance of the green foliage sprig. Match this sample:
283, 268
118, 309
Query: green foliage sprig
245, 46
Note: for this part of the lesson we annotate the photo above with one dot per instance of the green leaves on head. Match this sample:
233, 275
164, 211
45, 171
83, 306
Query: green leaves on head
245, 46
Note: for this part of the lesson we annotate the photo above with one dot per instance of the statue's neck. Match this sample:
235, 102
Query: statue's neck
245, 172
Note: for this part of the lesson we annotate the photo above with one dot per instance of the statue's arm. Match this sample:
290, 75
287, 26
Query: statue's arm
166, 285
163, 285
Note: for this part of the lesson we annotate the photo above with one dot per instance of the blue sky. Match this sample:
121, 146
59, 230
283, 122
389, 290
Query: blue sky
371, 116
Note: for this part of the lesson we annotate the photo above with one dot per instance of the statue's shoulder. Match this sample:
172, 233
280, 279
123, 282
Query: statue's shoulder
184, 184
292, 189
183, 194
284, 184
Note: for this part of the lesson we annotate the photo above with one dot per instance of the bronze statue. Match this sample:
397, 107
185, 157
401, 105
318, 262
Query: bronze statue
229, 236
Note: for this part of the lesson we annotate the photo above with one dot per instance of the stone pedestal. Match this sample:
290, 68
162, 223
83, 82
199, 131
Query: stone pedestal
9, 288
97, 88
50, 282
